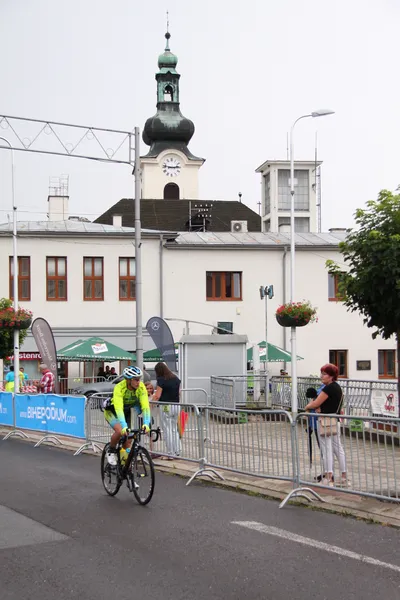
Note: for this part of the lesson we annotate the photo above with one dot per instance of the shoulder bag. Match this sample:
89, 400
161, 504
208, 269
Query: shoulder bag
328, 426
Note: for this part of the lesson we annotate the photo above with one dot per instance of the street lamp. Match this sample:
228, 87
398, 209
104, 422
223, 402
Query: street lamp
15, 266
323, 112
266, 293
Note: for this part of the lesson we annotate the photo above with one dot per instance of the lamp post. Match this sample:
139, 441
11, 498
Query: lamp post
318, 113
15, 267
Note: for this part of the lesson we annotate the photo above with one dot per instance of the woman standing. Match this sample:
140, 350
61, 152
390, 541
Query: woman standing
168, 390
328, 402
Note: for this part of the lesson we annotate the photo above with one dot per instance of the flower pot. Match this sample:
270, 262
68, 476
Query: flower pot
293, 321
23, 324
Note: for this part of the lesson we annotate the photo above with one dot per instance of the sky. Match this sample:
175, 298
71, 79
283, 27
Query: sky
248, 70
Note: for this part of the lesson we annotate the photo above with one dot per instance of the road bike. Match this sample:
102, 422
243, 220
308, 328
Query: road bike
137, 470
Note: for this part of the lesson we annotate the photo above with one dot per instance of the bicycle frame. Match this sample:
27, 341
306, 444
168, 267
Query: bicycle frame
134, 435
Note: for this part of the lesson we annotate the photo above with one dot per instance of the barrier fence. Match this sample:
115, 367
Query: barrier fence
361, 398
261, 443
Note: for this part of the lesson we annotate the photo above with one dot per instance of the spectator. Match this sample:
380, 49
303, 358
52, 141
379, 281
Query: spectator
10, 377
107, 372
168, 390
113, 373
46, 384
101, 372
329, 401
25, 376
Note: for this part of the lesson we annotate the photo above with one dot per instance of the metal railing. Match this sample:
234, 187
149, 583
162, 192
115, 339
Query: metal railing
364, 451
233, 391
248, 391
364, 456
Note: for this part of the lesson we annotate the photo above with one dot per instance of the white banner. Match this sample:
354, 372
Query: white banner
99, 348
385, 403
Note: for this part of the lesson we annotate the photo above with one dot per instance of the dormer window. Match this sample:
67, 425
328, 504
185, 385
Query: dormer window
168, 93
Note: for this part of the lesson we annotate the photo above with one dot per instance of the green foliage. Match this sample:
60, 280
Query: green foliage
371, 286
7, 334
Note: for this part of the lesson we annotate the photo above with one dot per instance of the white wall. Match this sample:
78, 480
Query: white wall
337, 329
154, 180
76, 312
274, 214
185, 295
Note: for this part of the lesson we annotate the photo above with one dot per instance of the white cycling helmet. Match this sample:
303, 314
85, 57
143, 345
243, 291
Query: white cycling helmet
132, 373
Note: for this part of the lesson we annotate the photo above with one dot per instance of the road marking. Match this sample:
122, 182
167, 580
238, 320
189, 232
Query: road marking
293, 537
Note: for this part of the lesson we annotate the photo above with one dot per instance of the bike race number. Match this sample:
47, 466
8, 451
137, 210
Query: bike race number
49, 413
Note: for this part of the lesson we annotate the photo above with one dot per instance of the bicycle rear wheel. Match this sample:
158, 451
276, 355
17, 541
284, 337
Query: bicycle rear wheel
142, 476
109, 474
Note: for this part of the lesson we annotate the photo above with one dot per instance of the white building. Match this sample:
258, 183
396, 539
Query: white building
81, 276
276, 198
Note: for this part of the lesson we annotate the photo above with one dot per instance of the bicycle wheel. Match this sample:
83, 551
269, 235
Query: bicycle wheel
109, 474
142, 476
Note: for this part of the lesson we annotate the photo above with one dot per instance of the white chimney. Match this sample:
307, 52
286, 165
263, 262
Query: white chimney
58, 208
58, 198
117, 220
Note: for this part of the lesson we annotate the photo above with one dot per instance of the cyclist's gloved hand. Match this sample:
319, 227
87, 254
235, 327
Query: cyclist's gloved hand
124, 431
146, 428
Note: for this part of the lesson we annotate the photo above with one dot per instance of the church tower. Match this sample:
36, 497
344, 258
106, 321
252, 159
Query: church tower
169, 169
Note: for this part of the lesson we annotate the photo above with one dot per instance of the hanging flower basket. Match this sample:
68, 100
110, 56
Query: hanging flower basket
296, 314
15, 319
23, 324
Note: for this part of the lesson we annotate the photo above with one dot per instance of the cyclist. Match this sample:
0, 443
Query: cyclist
129, 393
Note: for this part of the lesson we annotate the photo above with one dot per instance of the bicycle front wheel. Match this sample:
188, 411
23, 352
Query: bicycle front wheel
142, 476
109, 474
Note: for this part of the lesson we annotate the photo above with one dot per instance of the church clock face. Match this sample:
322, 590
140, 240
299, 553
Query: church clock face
171, 167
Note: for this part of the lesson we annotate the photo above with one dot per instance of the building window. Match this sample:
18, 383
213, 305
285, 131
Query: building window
56, 277
224, 327
387, 364
127, 279
301, 190
24, 278
267, 194
301, 224
224, 285
93, 279
168, 93
339, 358
333, 287
171, 191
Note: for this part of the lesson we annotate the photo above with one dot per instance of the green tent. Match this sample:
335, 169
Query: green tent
93, 349
155, 356
275, 354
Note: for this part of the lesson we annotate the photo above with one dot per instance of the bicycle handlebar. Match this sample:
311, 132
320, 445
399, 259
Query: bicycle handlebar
133, 433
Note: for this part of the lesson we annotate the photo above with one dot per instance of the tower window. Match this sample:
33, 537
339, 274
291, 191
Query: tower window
168, 93
171, 191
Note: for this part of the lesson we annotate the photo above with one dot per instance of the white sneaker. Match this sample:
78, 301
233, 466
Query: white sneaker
112, 459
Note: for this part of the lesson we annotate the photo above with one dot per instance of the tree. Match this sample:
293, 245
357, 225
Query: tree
7, 334
371, 286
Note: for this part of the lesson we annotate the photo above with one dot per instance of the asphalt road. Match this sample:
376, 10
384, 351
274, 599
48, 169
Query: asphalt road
62, 537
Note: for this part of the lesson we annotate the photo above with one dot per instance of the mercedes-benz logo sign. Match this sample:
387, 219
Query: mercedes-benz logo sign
155, 326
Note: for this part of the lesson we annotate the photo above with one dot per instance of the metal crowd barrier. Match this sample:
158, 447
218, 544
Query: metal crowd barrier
357, 394
259, 443
235, 391
365, 456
